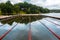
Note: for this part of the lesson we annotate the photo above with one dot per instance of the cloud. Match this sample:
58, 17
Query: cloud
3, 1
13, 1
51, 4
37, 2
16, 1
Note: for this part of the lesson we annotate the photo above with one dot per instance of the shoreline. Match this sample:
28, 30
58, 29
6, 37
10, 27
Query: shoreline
1, 17
7, 16
46, 15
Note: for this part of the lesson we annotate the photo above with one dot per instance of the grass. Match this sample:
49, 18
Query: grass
0, 13
21, 12
14, 13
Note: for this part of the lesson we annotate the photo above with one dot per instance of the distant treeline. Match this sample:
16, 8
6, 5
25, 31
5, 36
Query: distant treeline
55, 11
8, 8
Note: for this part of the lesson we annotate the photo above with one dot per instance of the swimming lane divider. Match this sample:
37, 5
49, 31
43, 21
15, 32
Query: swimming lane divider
1, 37
50, 30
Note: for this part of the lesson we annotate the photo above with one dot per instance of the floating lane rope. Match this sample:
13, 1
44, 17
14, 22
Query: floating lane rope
50, 30
1, 37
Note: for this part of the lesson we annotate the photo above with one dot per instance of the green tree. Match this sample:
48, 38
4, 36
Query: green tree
7, 8
16, 9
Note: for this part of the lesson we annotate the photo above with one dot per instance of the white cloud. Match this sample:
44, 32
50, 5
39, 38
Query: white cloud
3, 1
16, 1
37, 2
51, 4
13, 1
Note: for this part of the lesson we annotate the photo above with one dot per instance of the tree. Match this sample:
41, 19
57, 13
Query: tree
16, 8
2, 8
7, 8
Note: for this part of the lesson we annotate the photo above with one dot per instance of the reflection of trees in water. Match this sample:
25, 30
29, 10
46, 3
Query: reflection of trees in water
22, 19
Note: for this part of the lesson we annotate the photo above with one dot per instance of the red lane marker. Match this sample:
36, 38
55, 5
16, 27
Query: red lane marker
52, 22
1, 37
51, 31
29, 33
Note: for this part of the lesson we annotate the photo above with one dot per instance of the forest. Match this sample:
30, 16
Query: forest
21, 8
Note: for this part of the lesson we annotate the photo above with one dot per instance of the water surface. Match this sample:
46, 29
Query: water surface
38, 30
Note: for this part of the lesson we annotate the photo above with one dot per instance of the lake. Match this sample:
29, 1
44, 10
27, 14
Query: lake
42, 29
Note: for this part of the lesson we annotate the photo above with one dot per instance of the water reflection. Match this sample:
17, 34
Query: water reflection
20, 32
21, 19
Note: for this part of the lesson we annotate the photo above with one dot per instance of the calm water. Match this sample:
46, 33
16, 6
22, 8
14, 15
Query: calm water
21, 19
38, 30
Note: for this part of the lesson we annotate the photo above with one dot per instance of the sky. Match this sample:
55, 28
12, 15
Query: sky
50, 4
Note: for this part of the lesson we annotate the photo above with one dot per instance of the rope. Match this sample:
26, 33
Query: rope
1, 37
52, 22
51, 31
29, 32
